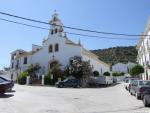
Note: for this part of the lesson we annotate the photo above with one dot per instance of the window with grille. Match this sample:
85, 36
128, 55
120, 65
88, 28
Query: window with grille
25, 60
50, 49
56, 47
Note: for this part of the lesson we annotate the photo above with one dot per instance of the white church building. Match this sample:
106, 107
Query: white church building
56, 46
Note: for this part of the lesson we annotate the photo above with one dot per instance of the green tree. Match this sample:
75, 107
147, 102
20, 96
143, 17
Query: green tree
33, 68
136, 70
106, 74
79, 69
22, 78
96, 73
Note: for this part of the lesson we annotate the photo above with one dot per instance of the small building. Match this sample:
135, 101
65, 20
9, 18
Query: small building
121, 67
56, 47
143, 47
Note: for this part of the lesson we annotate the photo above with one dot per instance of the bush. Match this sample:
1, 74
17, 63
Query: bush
96, 73
106, 74
48, 80
115, 74
122, 73
22, 78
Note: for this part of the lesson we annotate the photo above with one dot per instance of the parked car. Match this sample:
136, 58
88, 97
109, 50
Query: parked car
5, 85
146, 98
115, 80
128, 83
138, 87
100, 81
68, 83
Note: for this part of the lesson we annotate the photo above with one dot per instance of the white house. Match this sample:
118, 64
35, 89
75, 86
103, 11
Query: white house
57, 47
121, 67
143, 48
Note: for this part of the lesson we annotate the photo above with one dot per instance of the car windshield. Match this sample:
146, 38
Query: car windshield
141, 83
2, 80
65, 80
131, 80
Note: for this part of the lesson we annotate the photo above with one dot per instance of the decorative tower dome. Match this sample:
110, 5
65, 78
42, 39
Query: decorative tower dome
56, 24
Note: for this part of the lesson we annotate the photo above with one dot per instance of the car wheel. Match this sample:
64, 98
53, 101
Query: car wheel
145, 102
78, 86
131, 93
137, 97
2, 93
60, 86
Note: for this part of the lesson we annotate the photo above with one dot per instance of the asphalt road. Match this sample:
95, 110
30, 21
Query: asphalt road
37, 99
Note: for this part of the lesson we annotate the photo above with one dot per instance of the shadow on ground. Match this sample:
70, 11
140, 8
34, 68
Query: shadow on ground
137, 108
11, 91
103, 86
6, 95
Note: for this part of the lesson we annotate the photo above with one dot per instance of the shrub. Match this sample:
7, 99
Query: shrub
116, 74
96, 73
22, 78
106, 74
122, 73
48, 80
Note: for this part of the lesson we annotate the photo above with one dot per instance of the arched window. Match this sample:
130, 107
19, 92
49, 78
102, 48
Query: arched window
56, 47
55, 31
51, 32
50, 49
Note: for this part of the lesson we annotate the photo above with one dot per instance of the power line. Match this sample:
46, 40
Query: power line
23, 24
43, 28
108, 33
101, 37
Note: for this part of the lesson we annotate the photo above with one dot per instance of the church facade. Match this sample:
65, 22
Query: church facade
56, 46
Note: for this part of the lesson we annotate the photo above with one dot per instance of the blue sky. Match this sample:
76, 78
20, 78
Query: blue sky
118, 16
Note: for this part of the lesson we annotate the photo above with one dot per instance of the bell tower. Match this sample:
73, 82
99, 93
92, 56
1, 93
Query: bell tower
56, 25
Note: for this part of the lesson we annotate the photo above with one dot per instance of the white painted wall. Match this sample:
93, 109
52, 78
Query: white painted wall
121, 67
97, 66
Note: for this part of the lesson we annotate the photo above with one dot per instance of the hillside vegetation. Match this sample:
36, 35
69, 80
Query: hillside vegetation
117, 54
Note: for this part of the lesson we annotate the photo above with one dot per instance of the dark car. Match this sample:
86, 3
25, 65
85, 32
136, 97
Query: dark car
68, 83
5, 85
146, 98
138, 87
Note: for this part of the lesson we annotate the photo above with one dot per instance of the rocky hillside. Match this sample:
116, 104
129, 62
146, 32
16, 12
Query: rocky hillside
117, 54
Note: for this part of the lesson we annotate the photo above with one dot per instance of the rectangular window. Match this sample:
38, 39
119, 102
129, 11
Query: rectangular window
17, 65
12, 65
12, 57
17, 62
25, 60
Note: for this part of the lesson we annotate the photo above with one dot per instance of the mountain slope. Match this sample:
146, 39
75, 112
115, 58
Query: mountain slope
117, 54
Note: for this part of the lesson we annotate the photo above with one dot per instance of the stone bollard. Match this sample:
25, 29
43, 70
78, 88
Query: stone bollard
28, 80
43, 80
52, 76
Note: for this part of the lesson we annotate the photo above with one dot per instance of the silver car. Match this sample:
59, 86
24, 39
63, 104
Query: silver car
128, 83
138, 87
